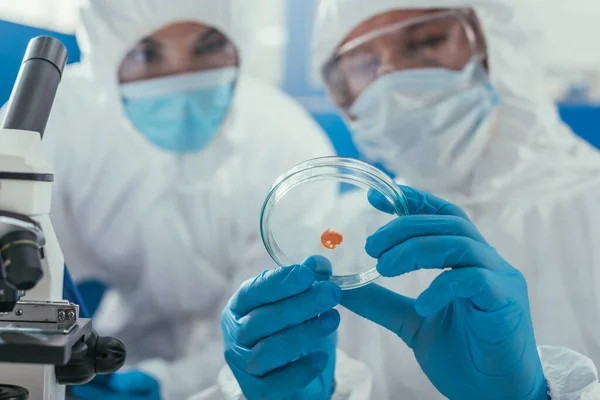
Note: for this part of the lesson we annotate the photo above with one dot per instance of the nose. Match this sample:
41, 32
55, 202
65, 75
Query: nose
180, 62
390, 57
180, 67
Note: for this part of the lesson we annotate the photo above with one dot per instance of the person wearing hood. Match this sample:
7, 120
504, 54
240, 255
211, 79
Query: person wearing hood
163, 149
449, 95
470, 331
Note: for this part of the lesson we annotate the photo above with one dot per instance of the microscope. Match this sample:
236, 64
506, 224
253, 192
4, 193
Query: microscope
44, 345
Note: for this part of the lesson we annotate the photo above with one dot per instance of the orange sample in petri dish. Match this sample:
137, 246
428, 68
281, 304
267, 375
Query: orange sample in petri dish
331, 239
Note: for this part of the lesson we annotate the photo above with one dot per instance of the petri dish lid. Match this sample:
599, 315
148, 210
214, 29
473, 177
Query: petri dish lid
320, 208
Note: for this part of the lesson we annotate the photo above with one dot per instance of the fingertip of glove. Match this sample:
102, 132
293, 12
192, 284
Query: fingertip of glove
377, 243
320, 265
331, 319
319, 359
386, 265
369, 248
299, 276
329, 294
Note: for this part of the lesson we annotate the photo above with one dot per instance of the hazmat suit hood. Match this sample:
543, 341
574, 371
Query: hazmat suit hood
528, 141
108, 29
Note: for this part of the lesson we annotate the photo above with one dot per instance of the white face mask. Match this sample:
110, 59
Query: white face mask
427, 125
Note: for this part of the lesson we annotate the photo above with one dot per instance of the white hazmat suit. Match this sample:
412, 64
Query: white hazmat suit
533, 192
173, 236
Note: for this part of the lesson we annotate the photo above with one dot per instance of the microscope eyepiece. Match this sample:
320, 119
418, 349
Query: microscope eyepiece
48, 49
36, 85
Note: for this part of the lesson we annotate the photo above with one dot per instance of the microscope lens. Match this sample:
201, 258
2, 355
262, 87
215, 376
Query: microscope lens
22, 261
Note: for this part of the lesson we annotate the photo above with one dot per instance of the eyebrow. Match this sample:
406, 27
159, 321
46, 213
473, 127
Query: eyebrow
417, 27
148, 41
208, 35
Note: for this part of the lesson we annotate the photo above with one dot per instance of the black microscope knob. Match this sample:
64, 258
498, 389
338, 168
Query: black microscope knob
80, 368
96, 356
110, 355
11, 392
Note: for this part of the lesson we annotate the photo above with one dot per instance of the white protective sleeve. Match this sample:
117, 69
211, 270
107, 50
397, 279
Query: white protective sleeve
353, 381
570, 376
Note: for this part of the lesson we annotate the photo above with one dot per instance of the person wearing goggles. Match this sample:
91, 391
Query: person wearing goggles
449, 96
407, 81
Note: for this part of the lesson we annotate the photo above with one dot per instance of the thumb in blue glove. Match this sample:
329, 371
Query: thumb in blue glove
130, 385
471, 330
323, 386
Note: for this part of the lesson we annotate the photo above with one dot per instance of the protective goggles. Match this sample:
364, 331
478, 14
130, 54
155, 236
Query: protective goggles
213, 51
444, 39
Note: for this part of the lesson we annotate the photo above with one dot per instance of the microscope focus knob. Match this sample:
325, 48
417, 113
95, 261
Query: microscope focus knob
110, 355
97, 355
11, 392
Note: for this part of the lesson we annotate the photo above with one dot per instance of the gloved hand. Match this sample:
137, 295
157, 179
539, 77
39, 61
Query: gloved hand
130, 385
279, 333
471, 330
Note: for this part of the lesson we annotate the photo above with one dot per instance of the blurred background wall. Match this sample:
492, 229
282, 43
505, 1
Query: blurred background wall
281, 54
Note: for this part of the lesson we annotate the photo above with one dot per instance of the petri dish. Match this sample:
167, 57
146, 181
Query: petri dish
306, 214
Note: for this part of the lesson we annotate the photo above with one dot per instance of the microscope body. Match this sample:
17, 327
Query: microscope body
26, 182
28, 194
44, 345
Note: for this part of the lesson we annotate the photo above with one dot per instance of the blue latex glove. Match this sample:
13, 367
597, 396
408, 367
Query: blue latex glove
279, 334
471, 330
130, 385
